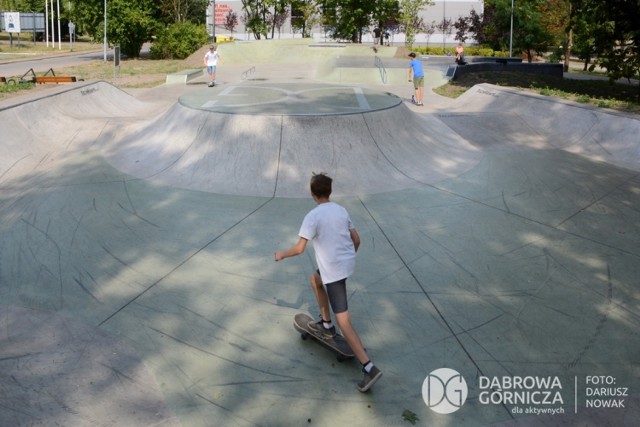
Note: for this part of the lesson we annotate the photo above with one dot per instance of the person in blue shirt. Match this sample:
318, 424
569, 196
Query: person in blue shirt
416, 74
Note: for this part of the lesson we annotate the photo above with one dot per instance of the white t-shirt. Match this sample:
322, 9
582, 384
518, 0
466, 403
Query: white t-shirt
211, 58
327, 226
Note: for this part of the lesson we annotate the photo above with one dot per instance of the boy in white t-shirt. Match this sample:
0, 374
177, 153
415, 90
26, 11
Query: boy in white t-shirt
211, 62
335, 241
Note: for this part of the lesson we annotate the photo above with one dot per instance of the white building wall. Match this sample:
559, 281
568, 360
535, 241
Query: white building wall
450, 9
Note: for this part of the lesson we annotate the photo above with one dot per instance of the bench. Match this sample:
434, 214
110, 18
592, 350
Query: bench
55, 79
183, 76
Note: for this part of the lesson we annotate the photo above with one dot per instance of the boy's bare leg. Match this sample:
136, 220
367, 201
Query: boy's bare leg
351, 336
321, 296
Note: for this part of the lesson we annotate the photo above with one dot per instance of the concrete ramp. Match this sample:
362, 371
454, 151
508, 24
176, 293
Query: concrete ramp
367, 153
493, 118
38, 133
499, 240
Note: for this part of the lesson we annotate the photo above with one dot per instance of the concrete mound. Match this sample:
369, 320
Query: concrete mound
499, 119
43, 131
370, 152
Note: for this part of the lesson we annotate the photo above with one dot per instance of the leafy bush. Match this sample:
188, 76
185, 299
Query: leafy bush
451, 51
134, 26
178, 41
14, 87
481, 51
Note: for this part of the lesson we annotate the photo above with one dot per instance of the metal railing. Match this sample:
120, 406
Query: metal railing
245, 75
383, 71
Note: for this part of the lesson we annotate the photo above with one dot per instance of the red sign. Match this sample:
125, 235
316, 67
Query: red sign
222, 10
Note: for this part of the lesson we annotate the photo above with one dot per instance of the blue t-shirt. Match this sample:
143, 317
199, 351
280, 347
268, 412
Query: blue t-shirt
416, 64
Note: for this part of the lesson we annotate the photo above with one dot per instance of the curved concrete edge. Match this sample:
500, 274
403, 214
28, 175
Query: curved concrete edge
368, 153
513, 119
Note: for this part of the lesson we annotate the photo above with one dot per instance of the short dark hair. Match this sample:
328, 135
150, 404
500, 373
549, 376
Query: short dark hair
321, 185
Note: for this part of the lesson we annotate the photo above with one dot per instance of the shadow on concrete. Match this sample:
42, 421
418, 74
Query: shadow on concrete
520, 262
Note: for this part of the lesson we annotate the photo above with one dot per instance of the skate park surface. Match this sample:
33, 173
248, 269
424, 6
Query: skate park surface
137, 230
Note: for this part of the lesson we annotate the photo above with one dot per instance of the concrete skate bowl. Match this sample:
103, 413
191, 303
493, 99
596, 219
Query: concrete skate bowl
271, 152
372, 147
172, 272
37, 135
269, 147
497, 119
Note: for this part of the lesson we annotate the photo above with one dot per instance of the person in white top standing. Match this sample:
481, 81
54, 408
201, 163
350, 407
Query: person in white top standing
335, 241
211, 62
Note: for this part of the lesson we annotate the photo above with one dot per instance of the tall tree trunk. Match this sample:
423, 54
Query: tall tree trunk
568, 40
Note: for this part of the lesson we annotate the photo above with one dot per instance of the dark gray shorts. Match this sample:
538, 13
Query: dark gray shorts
337, 293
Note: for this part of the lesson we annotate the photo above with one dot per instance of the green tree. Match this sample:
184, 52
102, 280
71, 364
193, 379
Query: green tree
183, 10
304, 15
562, 18
616, 36
409, 18
132, 26
279, 11
583, 40
529, 32
90, 18
348, 19
179, 40
22, 5
255, 18
386, 14
129, 24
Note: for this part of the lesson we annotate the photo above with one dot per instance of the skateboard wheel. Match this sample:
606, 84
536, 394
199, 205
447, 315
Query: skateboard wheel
341, 358
304, 336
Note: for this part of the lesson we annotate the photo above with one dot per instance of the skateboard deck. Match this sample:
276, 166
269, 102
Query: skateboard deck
336, 344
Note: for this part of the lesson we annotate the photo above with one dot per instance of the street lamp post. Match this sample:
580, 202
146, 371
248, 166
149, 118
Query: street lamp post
444, 21
46, 20
59, 29
511, 32
105, 31
53, 27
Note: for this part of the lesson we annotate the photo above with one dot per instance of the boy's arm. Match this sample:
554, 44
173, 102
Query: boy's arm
355, 237
297, 249
410, 72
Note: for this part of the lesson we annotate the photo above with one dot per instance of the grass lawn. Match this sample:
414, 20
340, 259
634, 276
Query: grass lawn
600, 93
148, 73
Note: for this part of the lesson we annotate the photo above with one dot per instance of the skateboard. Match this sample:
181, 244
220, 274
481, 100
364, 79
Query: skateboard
337, 344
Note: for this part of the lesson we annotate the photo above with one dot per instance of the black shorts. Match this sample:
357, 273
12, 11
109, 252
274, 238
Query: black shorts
337, 293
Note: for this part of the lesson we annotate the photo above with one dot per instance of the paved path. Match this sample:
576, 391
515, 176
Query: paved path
137, 230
